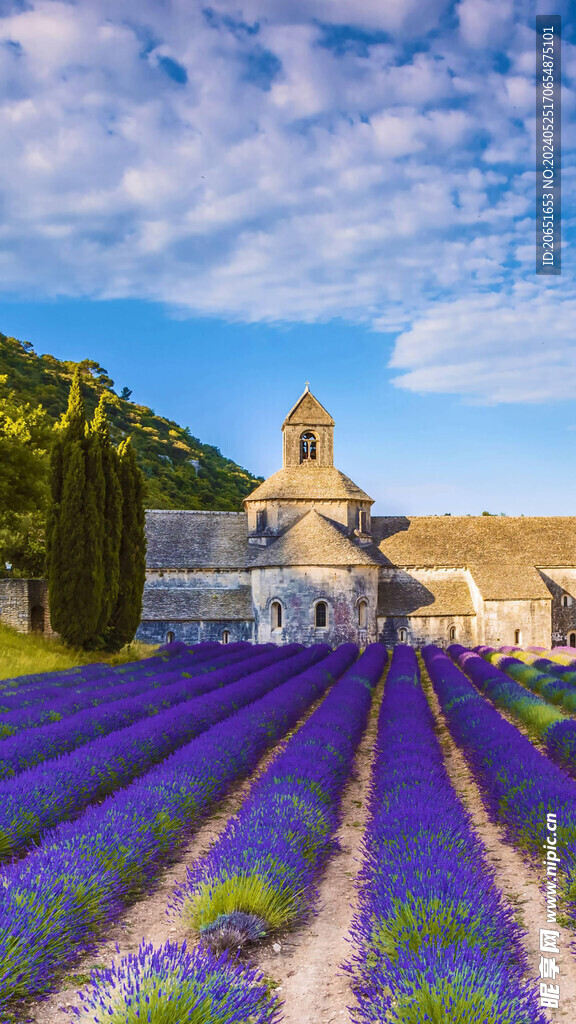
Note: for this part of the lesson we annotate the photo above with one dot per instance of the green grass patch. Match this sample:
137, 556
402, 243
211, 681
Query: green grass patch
25, 653
250, 894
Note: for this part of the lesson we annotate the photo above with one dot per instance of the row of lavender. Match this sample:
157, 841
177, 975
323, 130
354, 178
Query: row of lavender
520, 784
53, 902
557, 683
260, 876
62, 787
165, 690
433, 937
556, 731
51, 703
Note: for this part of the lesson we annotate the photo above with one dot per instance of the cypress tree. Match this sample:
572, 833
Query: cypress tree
74, 528
128, 610
109, 497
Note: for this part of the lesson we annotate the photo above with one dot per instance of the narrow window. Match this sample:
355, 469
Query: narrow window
565, 601
226, 636
307, 446
402, 635
261, 520
362, 614
170, 637
517, 637
571, 639
276, 610
362, 522
321, 615
452, 633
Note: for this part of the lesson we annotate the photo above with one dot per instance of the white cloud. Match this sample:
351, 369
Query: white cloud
498, 347
234, 164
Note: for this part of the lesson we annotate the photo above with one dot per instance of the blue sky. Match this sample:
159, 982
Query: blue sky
219, 202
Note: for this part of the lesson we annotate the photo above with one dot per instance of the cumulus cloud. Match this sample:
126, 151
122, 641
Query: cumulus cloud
284, 160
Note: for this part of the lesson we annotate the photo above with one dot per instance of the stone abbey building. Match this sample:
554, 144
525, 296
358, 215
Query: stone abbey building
306, 561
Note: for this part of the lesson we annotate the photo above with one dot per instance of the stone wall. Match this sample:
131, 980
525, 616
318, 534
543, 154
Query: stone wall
428, 629
562, 585
193, 632
282, 514
502, 618
24, 606
299, 589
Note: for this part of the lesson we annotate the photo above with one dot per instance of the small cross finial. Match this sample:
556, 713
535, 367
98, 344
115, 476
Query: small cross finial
307, 387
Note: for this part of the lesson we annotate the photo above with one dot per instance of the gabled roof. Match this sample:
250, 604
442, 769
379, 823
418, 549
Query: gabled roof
315, 540
508, 581
182, 604
475, 540
308, 410
405, 595
183, 539
308, 482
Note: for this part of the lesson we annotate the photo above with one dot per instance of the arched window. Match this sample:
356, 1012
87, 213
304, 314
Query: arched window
565, 601
402, 635
170, 637
571, 639
276, 613
517, 637
261, 520
362, 614
452, 632
307, 446
321, 615
226, 636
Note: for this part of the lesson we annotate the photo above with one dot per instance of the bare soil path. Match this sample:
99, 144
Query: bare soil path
306, 965
516, 875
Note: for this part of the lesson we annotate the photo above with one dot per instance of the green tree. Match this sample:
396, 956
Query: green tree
25, 437
109, 495
128, 610
75, 528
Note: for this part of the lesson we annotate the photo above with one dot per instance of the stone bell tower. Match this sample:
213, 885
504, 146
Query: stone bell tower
308, 434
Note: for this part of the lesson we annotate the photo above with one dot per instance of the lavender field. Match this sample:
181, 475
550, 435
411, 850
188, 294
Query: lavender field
250, 834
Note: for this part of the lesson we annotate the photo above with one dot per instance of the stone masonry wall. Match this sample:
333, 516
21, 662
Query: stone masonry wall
298, 589
24, 606
428, 629
155, 632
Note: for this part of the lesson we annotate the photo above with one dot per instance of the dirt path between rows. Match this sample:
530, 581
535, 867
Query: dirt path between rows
147, 918
306, 967
517, 877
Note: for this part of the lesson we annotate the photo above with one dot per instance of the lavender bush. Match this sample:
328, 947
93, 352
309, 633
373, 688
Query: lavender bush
260, 874
170, 985
433, 939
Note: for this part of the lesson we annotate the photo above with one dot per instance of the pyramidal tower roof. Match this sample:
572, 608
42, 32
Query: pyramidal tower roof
308, 410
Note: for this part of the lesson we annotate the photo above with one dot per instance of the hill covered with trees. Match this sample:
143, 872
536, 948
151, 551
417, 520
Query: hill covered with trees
179, 470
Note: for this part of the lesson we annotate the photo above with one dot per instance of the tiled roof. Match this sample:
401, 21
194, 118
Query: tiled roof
184, 604
196, 540
308, 482
508, 581
475, 540
405, 595
315, 540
